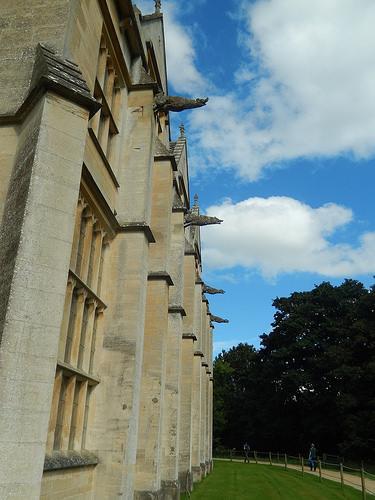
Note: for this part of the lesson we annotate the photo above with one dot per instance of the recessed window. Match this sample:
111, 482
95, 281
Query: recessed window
75, 374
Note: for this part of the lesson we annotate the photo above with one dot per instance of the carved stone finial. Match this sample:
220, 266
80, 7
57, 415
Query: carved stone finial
195, 208
167, 103
182, 130
212, 291
192, 219
217, 319
157, 6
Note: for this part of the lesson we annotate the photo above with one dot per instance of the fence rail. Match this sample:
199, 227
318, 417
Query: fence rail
357, 478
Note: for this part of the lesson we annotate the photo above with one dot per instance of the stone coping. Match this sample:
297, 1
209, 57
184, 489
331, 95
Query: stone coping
177, 310
134, 227
69, 459
189, 336
159, 276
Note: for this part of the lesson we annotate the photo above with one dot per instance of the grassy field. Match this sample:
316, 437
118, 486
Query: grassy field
238, 481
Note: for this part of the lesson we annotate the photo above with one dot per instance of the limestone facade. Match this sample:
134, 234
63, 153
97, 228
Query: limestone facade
105, 333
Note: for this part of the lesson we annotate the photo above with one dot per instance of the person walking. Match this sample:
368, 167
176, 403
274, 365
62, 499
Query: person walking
246, 449
313, 457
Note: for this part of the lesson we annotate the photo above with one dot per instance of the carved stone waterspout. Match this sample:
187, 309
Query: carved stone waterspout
211, 290
217, 319
192, 219
176, 103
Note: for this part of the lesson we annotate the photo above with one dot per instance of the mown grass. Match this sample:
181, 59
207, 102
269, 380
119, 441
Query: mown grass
239, 481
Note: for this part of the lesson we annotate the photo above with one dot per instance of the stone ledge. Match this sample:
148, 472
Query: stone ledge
159, 276
199, 353
177, 310
189, 336
138, 227
69, 460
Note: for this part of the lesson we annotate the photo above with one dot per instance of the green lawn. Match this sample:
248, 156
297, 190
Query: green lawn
239, 481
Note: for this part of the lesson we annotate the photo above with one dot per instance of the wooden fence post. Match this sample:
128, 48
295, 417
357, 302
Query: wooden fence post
270, 457
285, 461
231, 455
342, 475
255, 457
363, 483
320, 469
278, 457
302, 466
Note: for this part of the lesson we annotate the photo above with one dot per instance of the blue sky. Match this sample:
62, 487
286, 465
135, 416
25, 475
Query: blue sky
283, 151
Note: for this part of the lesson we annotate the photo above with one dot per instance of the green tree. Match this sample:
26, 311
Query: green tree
313, 378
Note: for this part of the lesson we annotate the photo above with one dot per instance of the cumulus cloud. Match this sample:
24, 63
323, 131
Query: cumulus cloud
282, 235
183, 74
181, 56
314, 91
304, 88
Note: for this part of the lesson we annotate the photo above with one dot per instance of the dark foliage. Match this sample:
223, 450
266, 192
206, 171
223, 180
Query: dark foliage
312, 380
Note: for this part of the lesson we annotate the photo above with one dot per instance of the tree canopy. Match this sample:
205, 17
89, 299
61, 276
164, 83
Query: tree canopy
311, 380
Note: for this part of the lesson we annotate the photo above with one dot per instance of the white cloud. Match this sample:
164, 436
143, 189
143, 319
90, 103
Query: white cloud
305, 89
314, 91
183, 74
282, 235
244, 75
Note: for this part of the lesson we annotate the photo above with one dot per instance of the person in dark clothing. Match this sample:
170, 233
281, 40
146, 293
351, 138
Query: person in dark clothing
246, 449
312, 457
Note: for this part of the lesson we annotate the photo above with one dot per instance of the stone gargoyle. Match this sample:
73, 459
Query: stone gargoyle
211, 291
192, 219
176, 103
217, 319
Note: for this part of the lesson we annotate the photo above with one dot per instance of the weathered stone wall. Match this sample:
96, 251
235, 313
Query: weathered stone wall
38, 218
22, 27
144, 425
71, 483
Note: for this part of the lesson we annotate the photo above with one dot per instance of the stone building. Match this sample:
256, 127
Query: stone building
105, 330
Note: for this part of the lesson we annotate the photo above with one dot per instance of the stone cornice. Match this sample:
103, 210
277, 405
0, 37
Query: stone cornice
205, 364
199, 353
